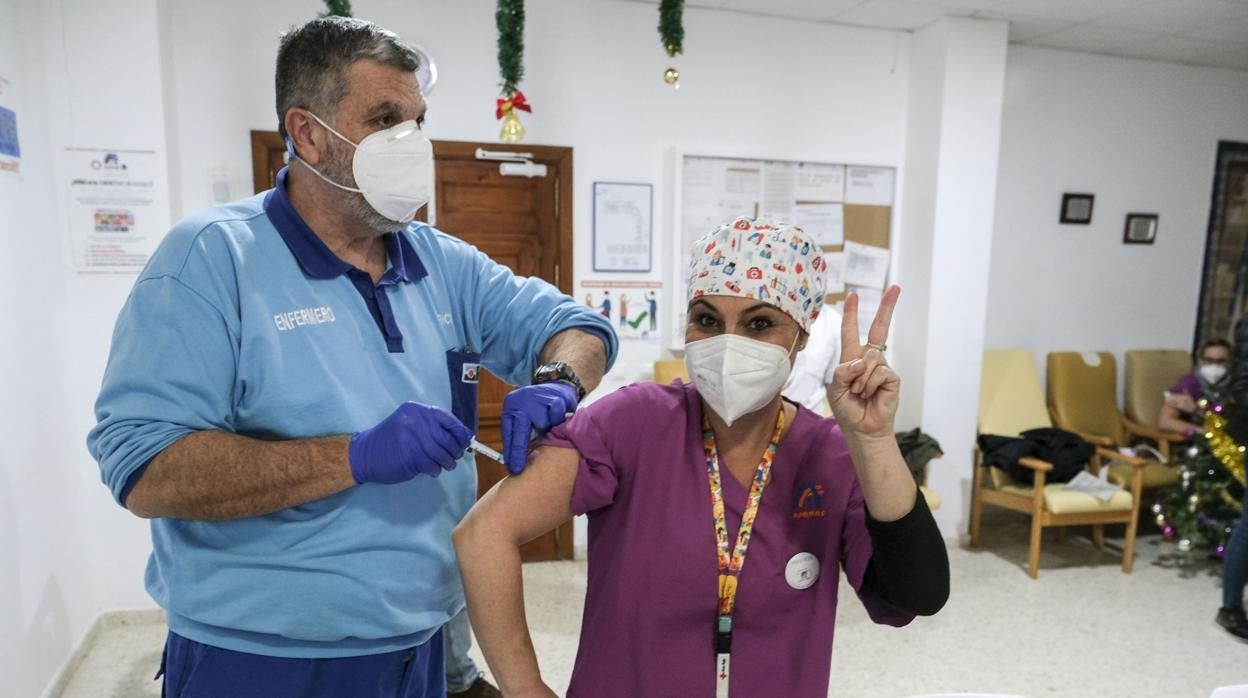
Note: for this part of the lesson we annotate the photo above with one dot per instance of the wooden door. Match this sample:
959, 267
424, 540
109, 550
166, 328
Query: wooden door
526, 224
268, 157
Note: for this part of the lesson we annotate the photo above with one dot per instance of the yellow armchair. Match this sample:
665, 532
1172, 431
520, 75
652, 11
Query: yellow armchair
1149, 373
1011, 402
1083, 398
668, 370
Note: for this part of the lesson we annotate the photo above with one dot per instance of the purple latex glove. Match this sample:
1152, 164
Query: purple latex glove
534, 408
414, 440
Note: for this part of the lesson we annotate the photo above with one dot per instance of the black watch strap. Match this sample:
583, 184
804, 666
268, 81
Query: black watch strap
559, 371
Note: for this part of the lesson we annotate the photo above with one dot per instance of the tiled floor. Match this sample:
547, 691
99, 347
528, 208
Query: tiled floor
1083, 630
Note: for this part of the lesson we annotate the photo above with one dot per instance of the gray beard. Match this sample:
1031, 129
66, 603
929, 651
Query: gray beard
337, 166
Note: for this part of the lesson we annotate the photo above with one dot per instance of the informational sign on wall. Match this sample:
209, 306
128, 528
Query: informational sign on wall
10, 145
623, 226
117, 213
845, 208
632, 307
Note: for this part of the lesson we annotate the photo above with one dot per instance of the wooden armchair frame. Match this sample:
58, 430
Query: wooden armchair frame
1033, 504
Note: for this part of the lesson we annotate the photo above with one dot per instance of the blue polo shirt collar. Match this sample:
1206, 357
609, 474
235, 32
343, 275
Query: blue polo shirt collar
316, 259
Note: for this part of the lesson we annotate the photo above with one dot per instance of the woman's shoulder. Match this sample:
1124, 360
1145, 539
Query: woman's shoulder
644, 400
1188, 383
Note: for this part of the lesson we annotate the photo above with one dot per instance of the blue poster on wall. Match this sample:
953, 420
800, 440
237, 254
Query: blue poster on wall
8, 134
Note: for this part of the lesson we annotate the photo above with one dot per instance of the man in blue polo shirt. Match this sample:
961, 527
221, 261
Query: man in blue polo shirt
291, 390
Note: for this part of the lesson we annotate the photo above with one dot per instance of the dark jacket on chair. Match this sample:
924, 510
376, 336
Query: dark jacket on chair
1066, 451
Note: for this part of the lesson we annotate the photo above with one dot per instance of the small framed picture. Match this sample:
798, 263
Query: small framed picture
1141, 229
1077, 208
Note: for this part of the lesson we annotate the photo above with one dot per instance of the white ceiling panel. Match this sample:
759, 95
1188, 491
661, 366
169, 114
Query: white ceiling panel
1186, 51
1066, 10
892, 14
965, 5
1087, 37
1233, 31
1173, 16
817, 10
1024, 31
1197, 32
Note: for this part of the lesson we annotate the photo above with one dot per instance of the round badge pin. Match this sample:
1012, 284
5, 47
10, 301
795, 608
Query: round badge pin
802, 571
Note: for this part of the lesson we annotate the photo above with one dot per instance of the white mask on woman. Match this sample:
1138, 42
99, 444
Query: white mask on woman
737, 375
1212, 373
393, 169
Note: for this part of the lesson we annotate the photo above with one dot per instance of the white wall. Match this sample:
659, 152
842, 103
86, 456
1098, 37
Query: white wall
47, 599
110, 99
951, 173
594, 76
86, 74
1141, 136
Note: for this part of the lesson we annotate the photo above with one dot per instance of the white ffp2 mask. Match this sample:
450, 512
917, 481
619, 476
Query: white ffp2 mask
1212, 373
736, 375
393, 169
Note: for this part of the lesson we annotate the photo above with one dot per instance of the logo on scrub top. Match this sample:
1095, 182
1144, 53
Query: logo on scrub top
471, 373
808, 502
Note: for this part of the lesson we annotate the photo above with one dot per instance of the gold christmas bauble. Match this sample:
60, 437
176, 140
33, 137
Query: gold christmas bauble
513, 131
672, 48
671, 76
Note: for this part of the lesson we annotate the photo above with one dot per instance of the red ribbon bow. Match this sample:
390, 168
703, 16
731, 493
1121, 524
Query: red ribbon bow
505, 105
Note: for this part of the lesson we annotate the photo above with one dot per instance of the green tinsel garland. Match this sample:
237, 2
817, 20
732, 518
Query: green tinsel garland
510, 21
672, 26
337, 8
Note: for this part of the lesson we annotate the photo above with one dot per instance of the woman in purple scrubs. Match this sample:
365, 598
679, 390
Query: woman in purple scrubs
720, 514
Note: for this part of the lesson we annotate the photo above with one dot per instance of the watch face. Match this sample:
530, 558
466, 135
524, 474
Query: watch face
550, 371
427, 73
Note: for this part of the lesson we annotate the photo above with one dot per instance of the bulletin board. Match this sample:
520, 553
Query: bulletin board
846, 208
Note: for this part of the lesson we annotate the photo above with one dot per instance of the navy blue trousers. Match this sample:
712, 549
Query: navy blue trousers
195, 670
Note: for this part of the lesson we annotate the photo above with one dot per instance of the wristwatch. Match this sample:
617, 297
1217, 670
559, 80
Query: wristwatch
559, 371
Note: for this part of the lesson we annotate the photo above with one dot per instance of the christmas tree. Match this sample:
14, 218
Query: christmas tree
1206, 504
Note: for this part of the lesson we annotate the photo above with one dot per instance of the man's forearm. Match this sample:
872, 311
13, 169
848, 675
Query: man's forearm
216, 475
581, 350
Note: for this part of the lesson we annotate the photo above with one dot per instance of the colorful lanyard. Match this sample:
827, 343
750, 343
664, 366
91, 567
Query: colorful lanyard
730, 563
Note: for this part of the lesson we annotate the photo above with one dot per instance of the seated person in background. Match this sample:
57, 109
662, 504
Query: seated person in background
814, 365
720, 514
1208, 379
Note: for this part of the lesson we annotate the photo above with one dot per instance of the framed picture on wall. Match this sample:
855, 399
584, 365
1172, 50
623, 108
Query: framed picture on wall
1141, 229
623, 226
1077, 208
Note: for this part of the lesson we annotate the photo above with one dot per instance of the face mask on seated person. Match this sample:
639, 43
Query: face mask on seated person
737, 375
1212, 373
393, 169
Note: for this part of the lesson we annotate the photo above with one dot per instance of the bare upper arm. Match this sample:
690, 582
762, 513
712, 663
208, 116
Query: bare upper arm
1168, 414
522, 507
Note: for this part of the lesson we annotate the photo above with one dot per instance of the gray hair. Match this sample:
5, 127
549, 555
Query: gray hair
313, 59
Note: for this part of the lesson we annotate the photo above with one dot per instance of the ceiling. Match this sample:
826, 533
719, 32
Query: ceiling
1195, 32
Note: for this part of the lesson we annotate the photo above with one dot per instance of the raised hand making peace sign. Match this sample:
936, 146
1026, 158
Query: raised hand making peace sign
864, 388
